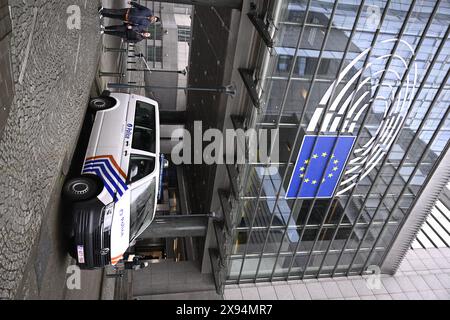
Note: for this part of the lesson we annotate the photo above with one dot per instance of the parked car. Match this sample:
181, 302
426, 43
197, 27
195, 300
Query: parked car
114, 198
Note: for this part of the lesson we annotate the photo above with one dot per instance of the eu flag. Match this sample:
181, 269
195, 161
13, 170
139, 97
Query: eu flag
312, 177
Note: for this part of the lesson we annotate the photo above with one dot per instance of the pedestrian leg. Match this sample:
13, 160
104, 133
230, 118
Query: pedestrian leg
116, 33
120, 28
114, 13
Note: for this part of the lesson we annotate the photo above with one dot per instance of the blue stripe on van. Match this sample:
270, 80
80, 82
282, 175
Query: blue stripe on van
105, 174
111, 169
106, 185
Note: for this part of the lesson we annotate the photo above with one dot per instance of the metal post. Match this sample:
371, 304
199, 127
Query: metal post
229, 90
114, 49
231, 4
111, 74
183, 72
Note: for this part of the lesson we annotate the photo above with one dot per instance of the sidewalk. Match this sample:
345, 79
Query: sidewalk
423, 275
6, 78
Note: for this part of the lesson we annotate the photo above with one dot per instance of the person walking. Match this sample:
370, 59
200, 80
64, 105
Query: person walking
127, 32
137, 14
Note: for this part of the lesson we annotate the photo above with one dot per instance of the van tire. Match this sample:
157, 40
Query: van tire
101, 103
80, 189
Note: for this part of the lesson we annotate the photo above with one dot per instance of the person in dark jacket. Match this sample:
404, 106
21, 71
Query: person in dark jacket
128, 32
137, 15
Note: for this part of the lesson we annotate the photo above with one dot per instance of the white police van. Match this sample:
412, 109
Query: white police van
114, 198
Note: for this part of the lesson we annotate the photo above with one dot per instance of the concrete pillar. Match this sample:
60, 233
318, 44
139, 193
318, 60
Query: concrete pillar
177, 227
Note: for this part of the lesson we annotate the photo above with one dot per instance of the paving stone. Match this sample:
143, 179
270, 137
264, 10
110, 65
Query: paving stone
444, 278
405, 284
442, 294
383, 297
300, 291
433, 282
399, 296
315, 290
267, 293
361, 287
332, 290
413, 295
428, 295
250, 293
430, 264
419, 283
233, 294
284, 292
371, 297
347, 289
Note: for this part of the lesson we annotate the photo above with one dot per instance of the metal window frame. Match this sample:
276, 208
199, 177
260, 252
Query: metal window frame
277, 132
416, 135
365, 195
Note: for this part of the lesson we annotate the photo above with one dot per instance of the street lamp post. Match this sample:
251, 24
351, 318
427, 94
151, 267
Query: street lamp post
183, 72
111, 74
228, 90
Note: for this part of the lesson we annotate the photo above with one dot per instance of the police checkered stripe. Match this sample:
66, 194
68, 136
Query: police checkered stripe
112, 176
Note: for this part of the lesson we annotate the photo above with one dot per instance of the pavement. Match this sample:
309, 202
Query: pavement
6, 79
54, 69
53, 66
424, 274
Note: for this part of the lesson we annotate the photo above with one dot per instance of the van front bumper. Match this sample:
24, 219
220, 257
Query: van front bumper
92, 243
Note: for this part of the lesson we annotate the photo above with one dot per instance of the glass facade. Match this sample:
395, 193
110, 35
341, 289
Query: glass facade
376, 70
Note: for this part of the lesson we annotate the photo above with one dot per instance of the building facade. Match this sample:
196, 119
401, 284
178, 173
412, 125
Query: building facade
374, 72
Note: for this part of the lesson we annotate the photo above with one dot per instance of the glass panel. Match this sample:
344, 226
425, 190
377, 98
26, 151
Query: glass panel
142, 206
140, 166
373, 190
144, 136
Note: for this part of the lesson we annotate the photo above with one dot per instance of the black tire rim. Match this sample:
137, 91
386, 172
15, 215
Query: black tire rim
99, 103
79, 188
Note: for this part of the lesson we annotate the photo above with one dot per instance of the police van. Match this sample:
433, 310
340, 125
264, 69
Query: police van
115, 196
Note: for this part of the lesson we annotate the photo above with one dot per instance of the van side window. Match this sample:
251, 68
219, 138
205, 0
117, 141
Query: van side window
140, 167
144, 127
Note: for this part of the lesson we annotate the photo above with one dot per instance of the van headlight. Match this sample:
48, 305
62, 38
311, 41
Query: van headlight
108, 212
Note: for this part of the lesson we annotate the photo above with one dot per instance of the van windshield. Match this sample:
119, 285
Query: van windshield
142, 206
144, 127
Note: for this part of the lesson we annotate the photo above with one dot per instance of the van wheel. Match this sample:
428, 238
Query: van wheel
80, 189
101, 103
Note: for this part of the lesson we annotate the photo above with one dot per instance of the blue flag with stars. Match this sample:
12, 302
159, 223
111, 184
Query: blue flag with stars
317, 172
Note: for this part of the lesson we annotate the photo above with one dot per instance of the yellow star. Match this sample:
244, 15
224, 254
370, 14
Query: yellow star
336, 161
335, 169
333, 156
302, 169
330, 175
314, 182
315, 156
323, 180
306, 161
324, 154
306, 180
302, 175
